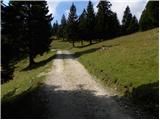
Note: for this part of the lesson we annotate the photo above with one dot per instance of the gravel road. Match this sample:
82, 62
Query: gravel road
71, 92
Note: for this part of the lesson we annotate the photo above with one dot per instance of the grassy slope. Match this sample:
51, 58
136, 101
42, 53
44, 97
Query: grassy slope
128, 64
26, 80
127, 61
130, 60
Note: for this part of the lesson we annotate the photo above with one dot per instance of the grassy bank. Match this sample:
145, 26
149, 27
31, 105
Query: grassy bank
128, 64
130, 60
26, 79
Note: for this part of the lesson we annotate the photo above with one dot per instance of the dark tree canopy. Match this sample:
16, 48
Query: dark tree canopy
127, 17
7, 49
72, 28
114, 25
55, 28
82, 26
150, 16
63, 20
62, 28
38, 25
90, 21
107, 24
102, 19
33, 27
133, 26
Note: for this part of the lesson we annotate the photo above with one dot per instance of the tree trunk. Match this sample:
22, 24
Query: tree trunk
73, 43
90, 42
31, 60
82, 42
63, 36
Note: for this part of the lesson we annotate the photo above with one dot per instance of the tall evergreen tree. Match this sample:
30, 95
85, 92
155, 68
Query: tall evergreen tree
127, 17
35, 26
72, 27
55, 28
62, 27
90, 21
39, 29
103, 20
82, 26
150, 16
11, 39
6, 46
114, 25
133, 26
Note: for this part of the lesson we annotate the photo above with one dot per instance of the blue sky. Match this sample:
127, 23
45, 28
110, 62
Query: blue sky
60, 7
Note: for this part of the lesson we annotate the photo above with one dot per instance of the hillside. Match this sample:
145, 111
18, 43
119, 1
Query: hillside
128, 64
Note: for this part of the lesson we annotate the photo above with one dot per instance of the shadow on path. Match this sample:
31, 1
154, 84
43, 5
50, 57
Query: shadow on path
35, 104
54, 104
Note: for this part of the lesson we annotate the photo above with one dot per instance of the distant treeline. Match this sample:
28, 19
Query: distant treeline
104, 24
26, 28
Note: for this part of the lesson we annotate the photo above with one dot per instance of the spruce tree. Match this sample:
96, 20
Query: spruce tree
25, 29
150, 16
133, 26
90, 21
34, 30
39, 29
82, 26
6, 46
63, 26
55, 28
127, 17
103, 20
72, 26
114, 26
11, 35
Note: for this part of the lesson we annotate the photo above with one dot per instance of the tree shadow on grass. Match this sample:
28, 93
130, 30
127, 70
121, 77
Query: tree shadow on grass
88, 51
48, 101
39, 64
82, 46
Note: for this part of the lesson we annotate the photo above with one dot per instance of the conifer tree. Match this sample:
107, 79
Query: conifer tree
72, 25
133, 26
90, 21
103, 19
127, 17
7, 48
150, 16
55, 28
82, 26
63, 26
114, 25
33, 25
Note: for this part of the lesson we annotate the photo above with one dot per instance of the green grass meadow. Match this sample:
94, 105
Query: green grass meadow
127, 64
26, 79
130, 60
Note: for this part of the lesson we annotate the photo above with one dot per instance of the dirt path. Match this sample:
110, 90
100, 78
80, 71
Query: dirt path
71, 92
